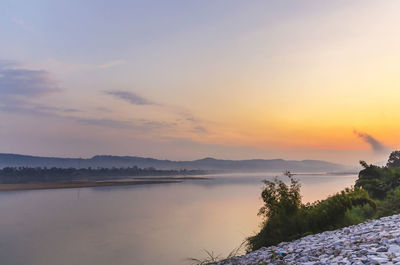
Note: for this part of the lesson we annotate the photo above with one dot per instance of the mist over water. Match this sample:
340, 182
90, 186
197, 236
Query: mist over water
139, 225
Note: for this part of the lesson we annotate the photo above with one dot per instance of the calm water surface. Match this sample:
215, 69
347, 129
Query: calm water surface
139, 225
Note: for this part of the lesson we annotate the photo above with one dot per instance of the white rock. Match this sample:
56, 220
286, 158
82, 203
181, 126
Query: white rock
372, 242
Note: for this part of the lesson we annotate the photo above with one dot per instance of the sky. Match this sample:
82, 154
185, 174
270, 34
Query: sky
186, 79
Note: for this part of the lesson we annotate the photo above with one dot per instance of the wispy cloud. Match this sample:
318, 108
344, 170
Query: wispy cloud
25, 107
71, 110
186, 121
112, 64
189, 117
200, 129
198, 125
22, 89
104, 123
24, 82
138, 125
103, 109
55, 109
19, 86
130, 97
376, 145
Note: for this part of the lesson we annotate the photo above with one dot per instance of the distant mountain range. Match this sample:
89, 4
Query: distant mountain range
210, 164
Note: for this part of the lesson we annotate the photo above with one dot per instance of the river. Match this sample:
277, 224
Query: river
139, 225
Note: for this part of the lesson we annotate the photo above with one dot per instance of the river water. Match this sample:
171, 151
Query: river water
139, 225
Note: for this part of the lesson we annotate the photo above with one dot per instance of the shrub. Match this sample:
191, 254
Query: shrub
394, 159
378, 181
286, 218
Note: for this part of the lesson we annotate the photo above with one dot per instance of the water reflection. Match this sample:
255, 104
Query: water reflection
139, 225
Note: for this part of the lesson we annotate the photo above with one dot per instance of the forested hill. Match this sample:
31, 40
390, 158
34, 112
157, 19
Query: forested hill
104, 161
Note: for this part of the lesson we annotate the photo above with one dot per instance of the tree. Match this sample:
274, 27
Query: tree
378, 181
286, 218
375, 180
279, 197
394, 159
364, 164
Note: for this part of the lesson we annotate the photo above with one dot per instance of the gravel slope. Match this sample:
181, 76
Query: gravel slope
372, 242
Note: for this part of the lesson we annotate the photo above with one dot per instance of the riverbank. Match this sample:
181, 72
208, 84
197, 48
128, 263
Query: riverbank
79, 184
371, 242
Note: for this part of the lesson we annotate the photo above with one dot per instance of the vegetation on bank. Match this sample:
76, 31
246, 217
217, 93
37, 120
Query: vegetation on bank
213, 258
10, 175
375, 194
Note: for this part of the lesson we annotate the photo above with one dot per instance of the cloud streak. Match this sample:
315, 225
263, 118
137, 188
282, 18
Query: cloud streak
112, 64
22, 89
105, 123
376, 145
142, 125
24, 82
130, 97
26, 107
19, 86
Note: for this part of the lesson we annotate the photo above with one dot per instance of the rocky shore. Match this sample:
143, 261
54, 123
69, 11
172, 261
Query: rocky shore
372, 242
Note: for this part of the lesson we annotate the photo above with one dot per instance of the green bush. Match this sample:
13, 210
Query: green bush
376, 194
391, 204
359, 214
378, 181
286, 218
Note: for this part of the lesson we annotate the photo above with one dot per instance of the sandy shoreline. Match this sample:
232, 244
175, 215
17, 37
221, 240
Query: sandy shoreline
80, 184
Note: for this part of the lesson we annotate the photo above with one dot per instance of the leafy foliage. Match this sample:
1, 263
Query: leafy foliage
278, 197
376, 194
378, 181
286, 218
394, 159
391, 204
382, 184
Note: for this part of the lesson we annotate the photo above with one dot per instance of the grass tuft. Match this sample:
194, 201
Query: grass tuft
211, 257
